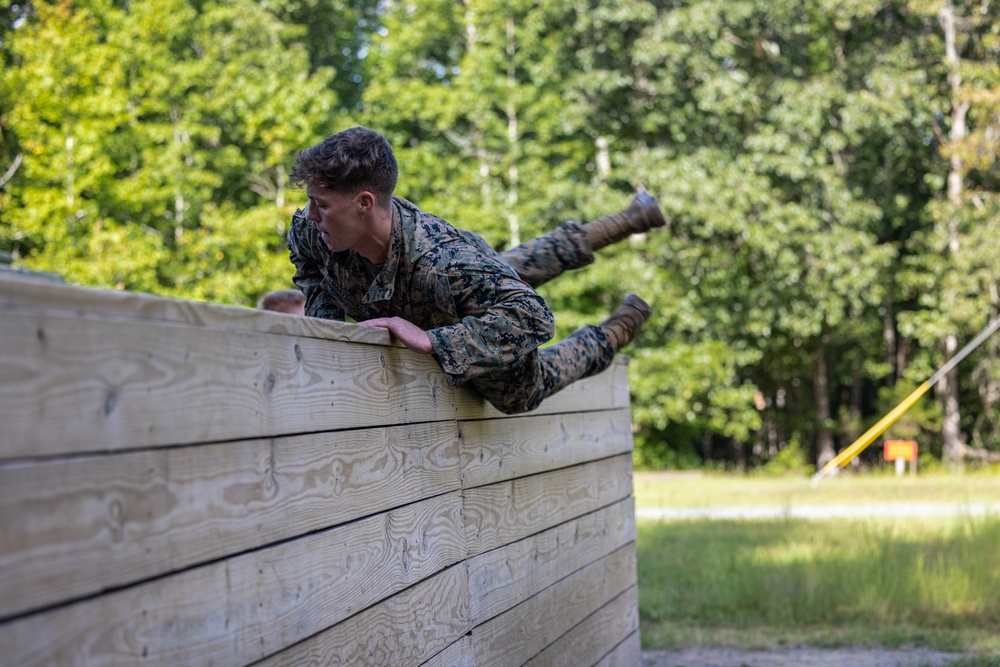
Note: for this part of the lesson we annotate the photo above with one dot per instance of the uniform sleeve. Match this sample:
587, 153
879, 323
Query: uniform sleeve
502, 320
308, 276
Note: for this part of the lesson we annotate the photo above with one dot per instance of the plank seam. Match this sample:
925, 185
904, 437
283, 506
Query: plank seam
213, 561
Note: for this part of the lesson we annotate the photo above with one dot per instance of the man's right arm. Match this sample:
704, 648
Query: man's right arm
308, 276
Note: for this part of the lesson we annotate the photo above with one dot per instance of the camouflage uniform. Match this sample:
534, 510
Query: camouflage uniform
484, 320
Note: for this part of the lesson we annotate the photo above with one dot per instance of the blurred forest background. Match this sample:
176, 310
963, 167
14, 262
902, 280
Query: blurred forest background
829, 168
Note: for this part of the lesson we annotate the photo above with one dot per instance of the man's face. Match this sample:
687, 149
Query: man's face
338, 217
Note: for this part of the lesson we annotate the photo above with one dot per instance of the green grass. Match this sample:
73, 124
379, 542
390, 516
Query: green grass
859, 582
716, 490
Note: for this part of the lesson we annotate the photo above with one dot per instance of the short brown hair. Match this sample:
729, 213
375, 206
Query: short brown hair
348, 162
283, 301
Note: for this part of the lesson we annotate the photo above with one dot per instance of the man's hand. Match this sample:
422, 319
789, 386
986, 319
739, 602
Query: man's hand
408, 333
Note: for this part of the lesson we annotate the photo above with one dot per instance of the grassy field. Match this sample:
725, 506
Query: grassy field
766, 583
711, 490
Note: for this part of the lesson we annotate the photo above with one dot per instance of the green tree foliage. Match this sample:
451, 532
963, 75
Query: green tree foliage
828, 167
169, 140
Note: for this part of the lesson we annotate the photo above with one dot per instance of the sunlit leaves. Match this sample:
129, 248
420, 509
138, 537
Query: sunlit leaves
139, 123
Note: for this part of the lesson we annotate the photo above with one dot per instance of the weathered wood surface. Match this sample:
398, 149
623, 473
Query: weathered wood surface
191, 484
239, 610
406, 629
501, 449
77, 526
502, 513
74, 386
459, 654
627, 654
27, 295
505, 577
524, 631
598, 634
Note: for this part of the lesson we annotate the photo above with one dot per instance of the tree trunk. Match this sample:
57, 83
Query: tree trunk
948, 387
951, 429
825, 450
706, 446
739, 454
603, 159
889, 335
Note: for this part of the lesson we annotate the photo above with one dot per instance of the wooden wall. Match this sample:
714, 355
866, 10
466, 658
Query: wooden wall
192, 484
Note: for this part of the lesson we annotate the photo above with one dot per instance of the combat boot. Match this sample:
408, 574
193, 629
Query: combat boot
625, 322
642, 215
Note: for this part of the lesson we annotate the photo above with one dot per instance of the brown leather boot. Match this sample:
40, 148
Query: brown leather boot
642, 215
626, 320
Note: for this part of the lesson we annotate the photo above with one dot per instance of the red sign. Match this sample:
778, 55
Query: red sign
900, 449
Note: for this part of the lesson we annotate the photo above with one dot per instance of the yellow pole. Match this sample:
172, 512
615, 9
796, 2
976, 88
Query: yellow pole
875, 431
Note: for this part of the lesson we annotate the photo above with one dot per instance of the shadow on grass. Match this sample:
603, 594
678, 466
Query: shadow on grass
855, 582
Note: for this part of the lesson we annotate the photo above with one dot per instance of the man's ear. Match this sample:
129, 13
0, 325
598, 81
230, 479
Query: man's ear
366, 201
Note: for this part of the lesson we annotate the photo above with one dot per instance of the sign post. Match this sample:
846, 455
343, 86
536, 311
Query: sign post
901, 451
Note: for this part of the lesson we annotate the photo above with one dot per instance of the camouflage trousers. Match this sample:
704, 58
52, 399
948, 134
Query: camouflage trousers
545, 371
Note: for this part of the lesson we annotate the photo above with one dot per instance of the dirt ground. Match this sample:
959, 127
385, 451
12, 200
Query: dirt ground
799, 657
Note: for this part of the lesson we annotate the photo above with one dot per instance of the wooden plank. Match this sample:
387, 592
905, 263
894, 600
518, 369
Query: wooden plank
626, 654
459, 654
505, 577
76, 526
246, 608
596, 636
517, 635
406, 629
502, 513
75, 386
23, 295
495, 450
30, 295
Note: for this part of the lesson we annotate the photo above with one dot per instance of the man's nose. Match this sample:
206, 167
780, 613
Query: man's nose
308, 212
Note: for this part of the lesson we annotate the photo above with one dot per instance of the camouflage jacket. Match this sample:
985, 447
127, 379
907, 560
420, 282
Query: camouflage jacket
481, 318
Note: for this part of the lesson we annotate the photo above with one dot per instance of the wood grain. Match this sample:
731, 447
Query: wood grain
597, 635
459, 654
495, 450
77, 526
627, 654
516, 636
24, 294
503, 578
76, 386
406, 629
185, 483
242, 609
502, 513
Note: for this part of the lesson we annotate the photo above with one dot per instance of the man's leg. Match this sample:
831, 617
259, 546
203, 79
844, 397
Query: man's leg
642, 215
588, 351
544, 372
572, 245
540, 260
